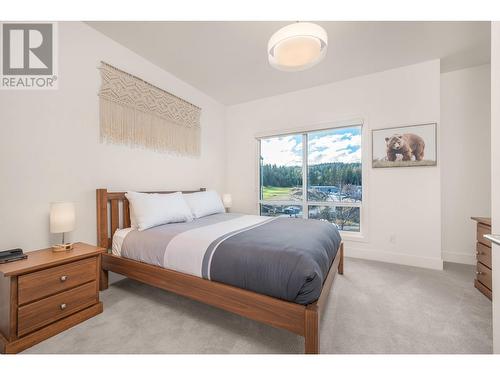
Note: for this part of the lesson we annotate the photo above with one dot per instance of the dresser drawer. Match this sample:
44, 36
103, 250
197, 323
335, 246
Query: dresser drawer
48, 310
481, 231
483, 275
53, 280
483, 254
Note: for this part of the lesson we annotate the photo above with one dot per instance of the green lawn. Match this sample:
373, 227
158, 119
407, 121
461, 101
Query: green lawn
276, 193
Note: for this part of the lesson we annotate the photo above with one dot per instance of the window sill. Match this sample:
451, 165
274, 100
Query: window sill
353, 237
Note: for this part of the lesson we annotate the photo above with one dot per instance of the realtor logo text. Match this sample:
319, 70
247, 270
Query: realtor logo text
28, 56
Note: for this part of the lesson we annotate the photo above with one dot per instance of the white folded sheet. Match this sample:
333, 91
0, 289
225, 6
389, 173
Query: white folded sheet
118, 238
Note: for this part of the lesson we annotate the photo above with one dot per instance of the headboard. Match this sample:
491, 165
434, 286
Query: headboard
113, 213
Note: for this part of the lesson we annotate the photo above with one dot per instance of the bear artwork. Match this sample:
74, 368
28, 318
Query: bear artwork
406, 145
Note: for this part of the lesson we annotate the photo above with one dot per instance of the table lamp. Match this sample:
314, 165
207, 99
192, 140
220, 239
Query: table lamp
62, 220
227, 200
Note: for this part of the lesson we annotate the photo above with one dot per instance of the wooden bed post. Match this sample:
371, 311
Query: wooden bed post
102, 230
311, 328
314, 310
341, 262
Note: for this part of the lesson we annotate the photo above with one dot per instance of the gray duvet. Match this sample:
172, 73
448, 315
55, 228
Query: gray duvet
286, 258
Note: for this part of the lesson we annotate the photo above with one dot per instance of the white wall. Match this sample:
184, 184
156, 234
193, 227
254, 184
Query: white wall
401, 204
495, 176
50, 150
465, 159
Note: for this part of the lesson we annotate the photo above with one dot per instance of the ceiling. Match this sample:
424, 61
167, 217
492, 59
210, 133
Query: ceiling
228, 60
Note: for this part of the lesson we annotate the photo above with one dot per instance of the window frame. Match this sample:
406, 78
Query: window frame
304, 202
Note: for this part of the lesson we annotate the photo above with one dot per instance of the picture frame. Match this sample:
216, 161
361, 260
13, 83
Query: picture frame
405, 146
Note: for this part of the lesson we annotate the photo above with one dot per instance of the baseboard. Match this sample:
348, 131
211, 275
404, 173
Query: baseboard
452, 257
397, 258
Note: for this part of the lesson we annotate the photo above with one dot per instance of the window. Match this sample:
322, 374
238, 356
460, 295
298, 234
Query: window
327, 162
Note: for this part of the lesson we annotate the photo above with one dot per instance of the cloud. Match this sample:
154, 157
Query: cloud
325, 147
282, 150
344, 148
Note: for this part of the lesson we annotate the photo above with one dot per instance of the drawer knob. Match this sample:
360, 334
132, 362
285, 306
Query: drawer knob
479, 273
64, 278
63, 306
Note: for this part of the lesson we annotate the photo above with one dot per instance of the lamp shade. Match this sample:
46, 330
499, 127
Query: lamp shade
62, 217
298, 46
227, 200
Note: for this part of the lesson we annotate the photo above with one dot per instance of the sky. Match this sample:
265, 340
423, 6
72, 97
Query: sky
326, 146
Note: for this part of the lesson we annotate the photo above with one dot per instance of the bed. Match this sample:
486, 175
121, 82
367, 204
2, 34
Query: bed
231, 261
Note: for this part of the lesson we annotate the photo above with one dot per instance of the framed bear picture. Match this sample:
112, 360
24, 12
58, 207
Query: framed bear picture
405, 146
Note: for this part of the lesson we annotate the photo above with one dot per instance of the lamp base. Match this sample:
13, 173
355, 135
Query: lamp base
62, 247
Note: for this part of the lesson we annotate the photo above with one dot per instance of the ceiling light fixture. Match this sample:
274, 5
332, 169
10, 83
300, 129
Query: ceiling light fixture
298, 46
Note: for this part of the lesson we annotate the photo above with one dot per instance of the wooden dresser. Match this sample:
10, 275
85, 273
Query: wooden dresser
483, 256
47, 293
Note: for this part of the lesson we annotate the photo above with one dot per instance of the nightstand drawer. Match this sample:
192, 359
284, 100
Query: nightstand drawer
483, 254
48, 310
481, 231
483, 275
53, 280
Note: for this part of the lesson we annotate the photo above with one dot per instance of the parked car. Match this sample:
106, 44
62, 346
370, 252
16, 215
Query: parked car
291, 210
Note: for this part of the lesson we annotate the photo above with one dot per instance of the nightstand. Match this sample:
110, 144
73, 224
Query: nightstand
483, 256
46, 294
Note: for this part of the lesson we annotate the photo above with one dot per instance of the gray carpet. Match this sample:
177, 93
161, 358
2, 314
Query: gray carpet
373, 308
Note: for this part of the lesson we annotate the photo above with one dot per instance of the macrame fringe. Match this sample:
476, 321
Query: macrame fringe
136, 113
121, 124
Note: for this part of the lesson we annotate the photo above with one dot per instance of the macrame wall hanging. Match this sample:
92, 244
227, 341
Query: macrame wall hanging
136, 113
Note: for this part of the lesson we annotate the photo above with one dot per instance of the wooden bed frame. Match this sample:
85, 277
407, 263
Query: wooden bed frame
302, 320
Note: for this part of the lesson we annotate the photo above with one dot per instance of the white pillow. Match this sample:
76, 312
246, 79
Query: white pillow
150, 210
204, 203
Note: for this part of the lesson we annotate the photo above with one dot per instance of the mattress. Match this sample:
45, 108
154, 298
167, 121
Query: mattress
286, 258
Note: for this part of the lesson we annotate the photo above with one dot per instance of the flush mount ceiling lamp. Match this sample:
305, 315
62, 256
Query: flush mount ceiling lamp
298, 46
